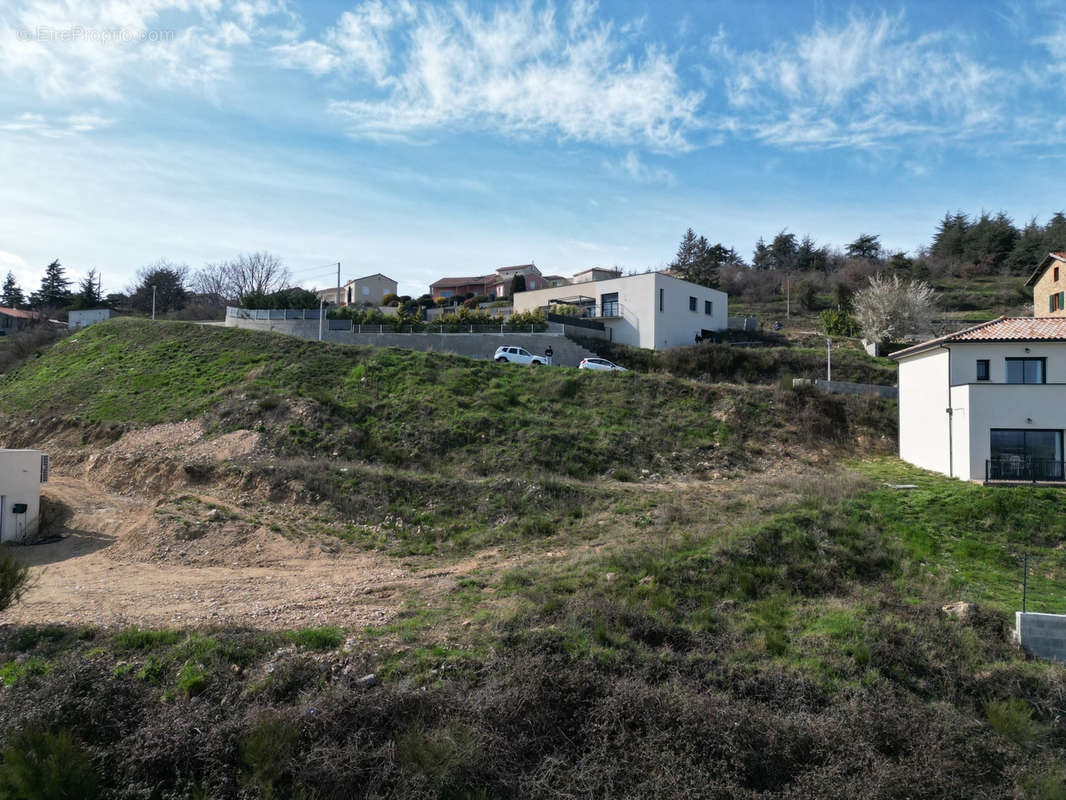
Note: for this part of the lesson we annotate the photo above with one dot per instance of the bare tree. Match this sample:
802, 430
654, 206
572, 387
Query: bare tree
256, 273
251, 274
890, 308
214, 284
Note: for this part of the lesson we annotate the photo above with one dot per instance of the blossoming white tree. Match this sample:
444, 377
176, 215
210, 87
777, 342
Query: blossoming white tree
890, 308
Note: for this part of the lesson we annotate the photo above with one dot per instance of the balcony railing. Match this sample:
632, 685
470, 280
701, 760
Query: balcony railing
1020, 469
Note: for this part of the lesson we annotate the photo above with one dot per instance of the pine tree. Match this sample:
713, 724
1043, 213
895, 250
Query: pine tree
783, 251
867, 246
762, 258
11, 294
55, 288
89, 293
686, 251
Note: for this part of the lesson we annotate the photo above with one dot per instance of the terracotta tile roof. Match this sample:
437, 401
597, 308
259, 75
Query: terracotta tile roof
16, 312
515, 267
1003, 329
1043, 265
446, 282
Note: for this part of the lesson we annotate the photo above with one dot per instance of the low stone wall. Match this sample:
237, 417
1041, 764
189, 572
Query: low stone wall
847, 387
471, 345
1041, 635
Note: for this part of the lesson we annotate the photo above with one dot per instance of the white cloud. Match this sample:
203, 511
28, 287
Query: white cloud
67, 48
859, 84
39, 125
517, 70
24, 276
632, 167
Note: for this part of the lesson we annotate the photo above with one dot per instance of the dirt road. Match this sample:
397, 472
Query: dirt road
88, 578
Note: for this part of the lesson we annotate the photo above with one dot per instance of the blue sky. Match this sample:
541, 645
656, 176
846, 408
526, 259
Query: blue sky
421, 139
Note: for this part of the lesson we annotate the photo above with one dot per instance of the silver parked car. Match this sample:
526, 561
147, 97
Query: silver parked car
517, 355
600, 363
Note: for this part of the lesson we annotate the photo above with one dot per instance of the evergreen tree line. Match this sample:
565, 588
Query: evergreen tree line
984, 244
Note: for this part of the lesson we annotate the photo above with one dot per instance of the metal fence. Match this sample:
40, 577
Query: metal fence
1025, 470
272, 313
578, 322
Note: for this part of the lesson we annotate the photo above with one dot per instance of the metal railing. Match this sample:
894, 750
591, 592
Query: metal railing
1020, 469
272, 313
579, 322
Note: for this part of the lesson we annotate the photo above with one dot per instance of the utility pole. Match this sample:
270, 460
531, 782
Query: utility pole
1025, 579
788, 295
153, 302
338, 284
828, 359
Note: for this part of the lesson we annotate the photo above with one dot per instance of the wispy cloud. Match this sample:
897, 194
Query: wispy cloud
67, 49
862, 83
519, 69
637, 170
55, 127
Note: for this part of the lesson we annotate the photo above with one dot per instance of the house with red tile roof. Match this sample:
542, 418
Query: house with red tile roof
13, 319
1049, 286
987, 403
496, 284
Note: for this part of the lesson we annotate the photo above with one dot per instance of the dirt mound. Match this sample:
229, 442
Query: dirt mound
199, 530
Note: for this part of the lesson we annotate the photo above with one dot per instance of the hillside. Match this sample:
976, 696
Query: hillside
418, 410
758, 615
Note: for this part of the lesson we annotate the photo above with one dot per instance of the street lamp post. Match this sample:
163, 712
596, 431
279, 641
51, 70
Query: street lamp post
153, 302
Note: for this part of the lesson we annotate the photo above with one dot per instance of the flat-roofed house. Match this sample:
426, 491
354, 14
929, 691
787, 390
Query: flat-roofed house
987, 403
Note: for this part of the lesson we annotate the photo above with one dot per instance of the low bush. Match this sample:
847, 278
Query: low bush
41, 765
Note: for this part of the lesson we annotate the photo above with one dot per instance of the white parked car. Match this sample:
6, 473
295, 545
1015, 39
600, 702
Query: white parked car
600, 363
517, 355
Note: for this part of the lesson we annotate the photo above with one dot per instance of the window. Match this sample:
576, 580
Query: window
1026, 370
609, 304
1051, 301
707, 307
982, 369
1023, 454
1056, 274
692, 304
660, 299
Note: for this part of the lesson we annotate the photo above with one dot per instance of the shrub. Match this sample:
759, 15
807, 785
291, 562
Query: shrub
837, 323
14, 578
138, 639
40, 765
325, 638
1012, 719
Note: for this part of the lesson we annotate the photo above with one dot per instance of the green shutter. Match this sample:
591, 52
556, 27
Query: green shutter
1062, 296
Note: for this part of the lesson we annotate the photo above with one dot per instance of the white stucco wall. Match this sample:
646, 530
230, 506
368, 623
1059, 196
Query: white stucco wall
20, 482
1007, 405
923, 418
641, 323
964, 356
79, 319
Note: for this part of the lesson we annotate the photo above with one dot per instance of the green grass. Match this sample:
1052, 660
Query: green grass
405, 408
972, 538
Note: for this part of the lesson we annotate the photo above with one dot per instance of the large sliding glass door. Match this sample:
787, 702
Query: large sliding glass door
1019, 454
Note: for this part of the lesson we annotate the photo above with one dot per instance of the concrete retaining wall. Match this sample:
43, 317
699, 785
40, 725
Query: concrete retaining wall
471, 345
847, 387
1041, 635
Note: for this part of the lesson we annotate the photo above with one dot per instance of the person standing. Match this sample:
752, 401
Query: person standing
548, 354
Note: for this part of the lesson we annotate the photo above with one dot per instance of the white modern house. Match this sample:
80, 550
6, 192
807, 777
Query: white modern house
21, 474
652, 310
987, 403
